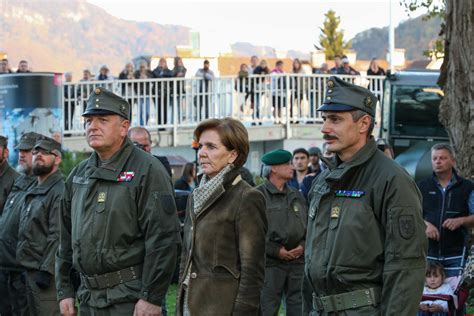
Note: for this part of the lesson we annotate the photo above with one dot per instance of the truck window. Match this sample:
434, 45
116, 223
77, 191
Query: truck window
416, 110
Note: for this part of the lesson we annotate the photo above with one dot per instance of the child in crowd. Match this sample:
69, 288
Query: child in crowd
434, 284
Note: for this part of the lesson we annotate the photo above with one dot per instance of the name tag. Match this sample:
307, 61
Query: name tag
349, 193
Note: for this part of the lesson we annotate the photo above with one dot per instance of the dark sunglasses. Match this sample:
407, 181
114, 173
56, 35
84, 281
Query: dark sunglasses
42, 151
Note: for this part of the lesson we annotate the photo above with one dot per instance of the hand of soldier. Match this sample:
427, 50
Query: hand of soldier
143, 308
285, 254
431, 231
66, 307
297, 252
453, 223
435, 308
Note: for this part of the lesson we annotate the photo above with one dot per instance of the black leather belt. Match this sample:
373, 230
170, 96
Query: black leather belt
111, 279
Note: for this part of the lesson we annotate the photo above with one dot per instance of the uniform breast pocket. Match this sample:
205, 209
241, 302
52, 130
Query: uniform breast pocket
276, 217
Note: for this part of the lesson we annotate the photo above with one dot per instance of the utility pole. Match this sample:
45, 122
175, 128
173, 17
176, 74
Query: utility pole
391, 38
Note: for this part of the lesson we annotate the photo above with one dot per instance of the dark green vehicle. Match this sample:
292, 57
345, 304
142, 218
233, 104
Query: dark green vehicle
410, 123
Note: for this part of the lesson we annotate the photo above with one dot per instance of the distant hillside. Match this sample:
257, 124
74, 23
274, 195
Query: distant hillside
414, 35
74, 35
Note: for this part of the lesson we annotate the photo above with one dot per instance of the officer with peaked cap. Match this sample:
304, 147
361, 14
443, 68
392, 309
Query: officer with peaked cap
38, 231
125, 243
366, 246
287, 217
9, 224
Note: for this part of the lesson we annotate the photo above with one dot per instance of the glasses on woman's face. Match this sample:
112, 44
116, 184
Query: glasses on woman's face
42, 151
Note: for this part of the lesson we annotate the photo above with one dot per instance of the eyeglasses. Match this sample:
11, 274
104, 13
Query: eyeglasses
42, 151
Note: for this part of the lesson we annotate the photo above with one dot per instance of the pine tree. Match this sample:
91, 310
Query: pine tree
332, 39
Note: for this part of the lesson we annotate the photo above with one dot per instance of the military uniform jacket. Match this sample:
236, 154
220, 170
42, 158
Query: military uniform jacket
9, 222
287, 219
7, 177
374, 238
114, 216
38, 232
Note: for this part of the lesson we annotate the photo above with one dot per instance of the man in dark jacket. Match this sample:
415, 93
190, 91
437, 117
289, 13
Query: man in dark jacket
141, 138
366, 246
38, 228
118, 223
448, 210
287, 215
9, 224
7, 177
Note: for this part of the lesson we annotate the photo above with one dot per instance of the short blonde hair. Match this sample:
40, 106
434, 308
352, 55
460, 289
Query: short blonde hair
233, 135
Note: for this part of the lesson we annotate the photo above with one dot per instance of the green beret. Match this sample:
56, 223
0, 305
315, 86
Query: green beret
27, 141
344, 96
104, 102
47, 144
276, 157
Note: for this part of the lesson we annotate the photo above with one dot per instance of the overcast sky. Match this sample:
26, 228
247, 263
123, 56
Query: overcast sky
283, 25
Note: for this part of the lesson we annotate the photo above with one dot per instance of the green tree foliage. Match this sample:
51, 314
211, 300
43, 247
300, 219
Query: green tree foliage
432, 9
331, 39
70, 160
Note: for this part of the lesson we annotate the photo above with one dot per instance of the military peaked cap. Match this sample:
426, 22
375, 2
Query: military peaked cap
344, 96
104, 102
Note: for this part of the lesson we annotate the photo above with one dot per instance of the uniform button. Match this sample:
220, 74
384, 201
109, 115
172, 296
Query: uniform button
194, 275
192, 228
60, 293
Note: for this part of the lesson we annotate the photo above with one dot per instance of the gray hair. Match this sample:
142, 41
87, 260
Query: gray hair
444, 146
358, 114
266, 170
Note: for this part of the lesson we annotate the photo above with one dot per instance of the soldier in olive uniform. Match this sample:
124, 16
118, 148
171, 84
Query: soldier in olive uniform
287, 218
9, 225
365, 248
38, 228
118, 222
7, 177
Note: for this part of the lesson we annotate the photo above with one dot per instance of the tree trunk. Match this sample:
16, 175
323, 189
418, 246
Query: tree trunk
457, 81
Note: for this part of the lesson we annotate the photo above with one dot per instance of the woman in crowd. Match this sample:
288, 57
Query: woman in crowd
222, 263
374, 69
298, 85
187, 182
144, 92
179, 71
128, 89
242, 84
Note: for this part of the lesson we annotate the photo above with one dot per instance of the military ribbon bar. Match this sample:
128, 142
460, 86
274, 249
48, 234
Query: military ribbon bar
349, 193
126, 176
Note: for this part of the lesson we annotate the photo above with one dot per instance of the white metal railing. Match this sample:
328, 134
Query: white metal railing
175, 103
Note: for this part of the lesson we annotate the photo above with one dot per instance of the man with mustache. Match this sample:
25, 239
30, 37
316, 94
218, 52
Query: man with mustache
15, 287
118, 221
7, 177
38, 232
365, 248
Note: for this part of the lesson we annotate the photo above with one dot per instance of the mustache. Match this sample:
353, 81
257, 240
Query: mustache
328, 137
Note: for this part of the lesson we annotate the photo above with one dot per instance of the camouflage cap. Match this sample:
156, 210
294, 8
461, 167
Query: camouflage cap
47, 144
344, 96
3, 141
27, 141
276, 157
104, 102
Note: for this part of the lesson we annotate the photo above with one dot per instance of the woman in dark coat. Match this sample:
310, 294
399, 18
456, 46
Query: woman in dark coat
223, 258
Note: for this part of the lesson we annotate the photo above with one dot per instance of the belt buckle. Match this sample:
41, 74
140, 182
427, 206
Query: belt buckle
317, 303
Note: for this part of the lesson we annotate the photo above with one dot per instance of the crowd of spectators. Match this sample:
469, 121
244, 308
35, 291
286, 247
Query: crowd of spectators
5, 67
